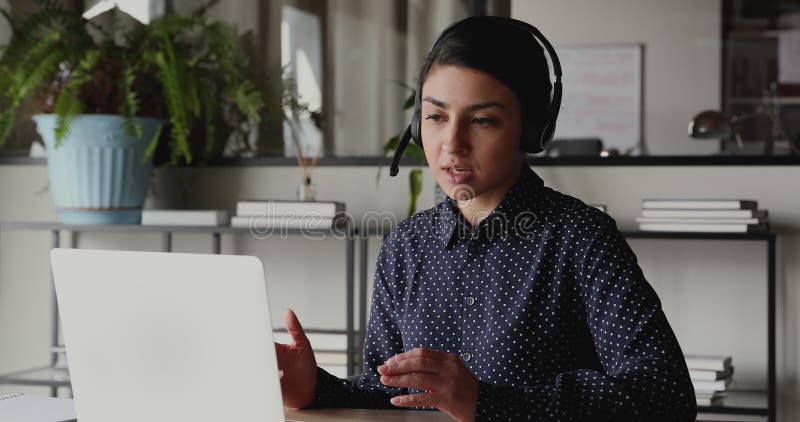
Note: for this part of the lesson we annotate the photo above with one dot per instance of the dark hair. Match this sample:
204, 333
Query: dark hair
502, 48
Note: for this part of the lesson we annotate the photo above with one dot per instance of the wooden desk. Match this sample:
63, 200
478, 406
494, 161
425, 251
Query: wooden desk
356, 415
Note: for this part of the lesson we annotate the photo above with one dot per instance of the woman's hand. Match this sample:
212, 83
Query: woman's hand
448, 384
297, 366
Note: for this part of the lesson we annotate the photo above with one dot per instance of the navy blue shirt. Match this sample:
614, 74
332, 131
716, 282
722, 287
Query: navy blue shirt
543, 301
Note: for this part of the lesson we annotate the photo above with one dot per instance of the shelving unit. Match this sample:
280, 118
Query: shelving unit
755, 403
57, 377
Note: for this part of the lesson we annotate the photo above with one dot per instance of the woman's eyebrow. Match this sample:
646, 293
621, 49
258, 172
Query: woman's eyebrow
435, 102
472, 107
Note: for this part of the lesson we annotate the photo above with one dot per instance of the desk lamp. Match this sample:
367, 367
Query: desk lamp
711, 124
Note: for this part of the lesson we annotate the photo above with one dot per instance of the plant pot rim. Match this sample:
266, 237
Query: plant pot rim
102, 116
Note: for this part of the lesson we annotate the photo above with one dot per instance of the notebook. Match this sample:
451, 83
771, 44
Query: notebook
167, 336
20, 407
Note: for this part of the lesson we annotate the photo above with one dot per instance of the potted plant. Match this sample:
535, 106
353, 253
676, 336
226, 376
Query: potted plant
109, 96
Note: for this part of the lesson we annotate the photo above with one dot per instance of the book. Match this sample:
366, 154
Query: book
709, 401
303, 222
704, 227
19, 407
708, 362
714, 204
729, 417
660, 220
184, 217
704, 395
710, 386
294, 208
676, 213
704, 375
600, 207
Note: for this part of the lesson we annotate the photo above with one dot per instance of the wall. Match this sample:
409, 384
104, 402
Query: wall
682, 66
713, 292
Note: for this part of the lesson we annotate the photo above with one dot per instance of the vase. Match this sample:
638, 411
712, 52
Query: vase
98, 174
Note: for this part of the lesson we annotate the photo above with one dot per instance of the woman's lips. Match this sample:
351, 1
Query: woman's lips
457, 177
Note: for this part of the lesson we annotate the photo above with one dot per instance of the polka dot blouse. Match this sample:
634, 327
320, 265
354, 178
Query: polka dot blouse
543, 301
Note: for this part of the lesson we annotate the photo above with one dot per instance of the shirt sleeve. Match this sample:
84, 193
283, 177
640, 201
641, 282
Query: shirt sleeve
644, 375
383, 341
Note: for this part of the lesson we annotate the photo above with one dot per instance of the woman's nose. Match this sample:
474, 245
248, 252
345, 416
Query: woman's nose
455, 141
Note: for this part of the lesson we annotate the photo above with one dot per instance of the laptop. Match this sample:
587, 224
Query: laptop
167, 336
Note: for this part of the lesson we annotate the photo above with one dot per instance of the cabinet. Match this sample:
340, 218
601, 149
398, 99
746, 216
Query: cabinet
57, 377
752, 91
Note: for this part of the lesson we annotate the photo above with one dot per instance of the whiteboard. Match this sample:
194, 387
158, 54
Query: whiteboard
602, 95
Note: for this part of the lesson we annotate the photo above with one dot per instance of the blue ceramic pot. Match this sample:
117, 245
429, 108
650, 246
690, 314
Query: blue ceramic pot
98, 175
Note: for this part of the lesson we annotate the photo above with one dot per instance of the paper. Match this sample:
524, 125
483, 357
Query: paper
31, 408
789, 57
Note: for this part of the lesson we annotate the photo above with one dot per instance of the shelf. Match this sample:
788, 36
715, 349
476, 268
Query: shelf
623, 160
342, 230
760, 101
740, 403
59, 377
698, 235
42, 376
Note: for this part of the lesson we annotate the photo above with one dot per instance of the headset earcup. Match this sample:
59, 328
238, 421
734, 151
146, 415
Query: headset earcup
416, 129
549, 128
547, 135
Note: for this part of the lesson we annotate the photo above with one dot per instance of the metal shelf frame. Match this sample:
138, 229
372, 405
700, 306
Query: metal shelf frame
56, 377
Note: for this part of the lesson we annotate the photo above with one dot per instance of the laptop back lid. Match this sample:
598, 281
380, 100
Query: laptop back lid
167, 336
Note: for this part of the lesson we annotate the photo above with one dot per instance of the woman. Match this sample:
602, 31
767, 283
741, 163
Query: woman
509, 300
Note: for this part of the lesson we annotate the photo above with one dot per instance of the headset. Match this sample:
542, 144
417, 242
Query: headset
534, 138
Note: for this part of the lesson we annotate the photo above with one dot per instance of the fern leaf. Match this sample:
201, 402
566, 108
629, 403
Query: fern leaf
169, 78
40, 61
130, 102
151, 146
68, 105
247, 98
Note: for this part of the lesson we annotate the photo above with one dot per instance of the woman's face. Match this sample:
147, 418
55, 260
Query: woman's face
470, 133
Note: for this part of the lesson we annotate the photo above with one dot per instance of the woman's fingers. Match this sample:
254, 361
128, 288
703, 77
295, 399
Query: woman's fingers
295, 329
422, 352
406, 366
414, 400
420, 381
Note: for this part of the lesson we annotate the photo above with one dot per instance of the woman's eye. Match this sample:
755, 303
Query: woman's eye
434, 117
482, 121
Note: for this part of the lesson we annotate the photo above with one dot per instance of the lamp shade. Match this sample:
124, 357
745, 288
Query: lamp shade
710, 124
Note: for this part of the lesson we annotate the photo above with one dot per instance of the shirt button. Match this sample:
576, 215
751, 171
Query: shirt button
466, 356
470, 301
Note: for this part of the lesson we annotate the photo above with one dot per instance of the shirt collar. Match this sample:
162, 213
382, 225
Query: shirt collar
514, 215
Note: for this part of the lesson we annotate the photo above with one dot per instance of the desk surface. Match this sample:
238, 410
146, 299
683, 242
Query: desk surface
356, 415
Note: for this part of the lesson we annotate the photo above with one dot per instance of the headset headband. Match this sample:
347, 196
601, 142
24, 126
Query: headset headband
553, 107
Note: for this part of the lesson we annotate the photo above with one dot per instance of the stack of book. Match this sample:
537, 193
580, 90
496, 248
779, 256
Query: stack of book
702, 215
711, 376
265, 214
184, 217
